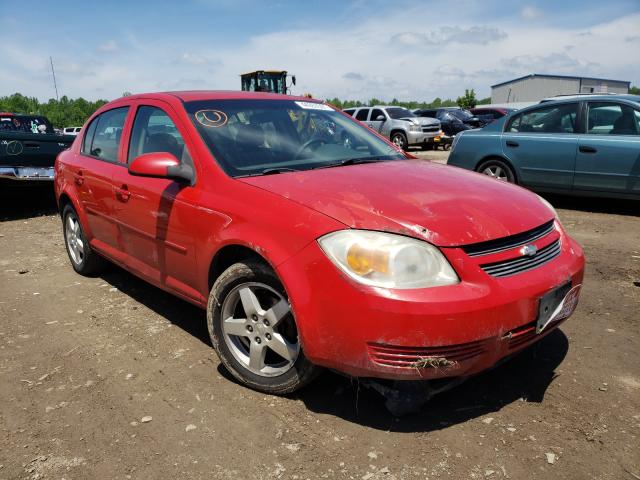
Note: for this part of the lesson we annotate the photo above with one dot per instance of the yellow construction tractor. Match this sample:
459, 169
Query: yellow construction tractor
274, 81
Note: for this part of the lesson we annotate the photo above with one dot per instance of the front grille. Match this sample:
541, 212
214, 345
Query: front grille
406, 357
430, 129
505, 243
512, 266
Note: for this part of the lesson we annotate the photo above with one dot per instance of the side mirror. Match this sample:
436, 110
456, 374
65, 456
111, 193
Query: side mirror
161, 165
380, 118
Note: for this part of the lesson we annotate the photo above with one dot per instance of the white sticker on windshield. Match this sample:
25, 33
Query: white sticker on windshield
314, 106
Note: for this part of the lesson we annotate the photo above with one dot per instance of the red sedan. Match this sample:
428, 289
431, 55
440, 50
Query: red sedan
311, 241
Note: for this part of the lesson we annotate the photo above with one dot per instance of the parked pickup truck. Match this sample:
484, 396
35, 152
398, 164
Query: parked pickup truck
29, 147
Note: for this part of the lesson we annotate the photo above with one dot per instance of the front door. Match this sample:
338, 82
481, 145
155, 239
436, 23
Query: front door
541, 143
154, 214
608, 157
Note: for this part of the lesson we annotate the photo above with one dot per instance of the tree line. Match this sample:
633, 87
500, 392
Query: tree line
468, 100
66, 112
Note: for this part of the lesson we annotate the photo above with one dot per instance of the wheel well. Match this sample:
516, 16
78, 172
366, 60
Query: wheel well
397, 130
229, 255
503, 160
63, 202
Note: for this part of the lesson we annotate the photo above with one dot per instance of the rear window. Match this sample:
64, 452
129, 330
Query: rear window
26, 124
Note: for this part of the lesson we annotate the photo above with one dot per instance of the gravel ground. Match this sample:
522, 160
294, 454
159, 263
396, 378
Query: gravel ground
109, 377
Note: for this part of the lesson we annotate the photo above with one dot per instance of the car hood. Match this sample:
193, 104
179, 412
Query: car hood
421, 120
441, 204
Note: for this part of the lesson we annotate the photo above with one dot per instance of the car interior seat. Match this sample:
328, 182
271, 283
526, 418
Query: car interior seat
163, 142
625, 124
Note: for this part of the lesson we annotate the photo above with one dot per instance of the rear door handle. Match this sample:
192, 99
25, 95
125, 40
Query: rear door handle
78, 177
31, 145
587, 149
511, 143
122, 193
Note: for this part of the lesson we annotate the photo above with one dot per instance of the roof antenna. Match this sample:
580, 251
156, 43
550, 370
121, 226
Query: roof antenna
54, 78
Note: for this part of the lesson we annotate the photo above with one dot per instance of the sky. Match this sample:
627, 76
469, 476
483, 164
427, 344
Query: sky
409, 50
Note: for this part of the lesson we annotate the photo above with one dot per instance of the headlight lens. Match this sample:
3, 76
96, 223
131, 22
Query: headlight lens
415, 128
549, 206
387, 260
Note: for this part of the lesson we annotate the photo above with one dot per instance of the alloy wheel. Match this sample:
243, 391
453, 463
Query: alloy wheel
259, 329
75, 244
496, 171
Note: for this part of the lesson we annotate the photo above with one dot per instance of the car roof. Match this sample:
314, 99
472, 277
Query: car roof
376, 106
594, 96
195, 95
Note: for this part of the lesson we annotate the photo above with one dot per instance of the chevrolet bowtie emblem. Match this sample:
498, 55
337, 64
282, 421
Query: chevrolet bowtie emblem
528, 250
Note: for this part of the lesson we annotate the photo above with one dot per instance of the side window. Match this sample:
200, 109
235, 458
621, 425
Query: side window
549, 119
612, 119
375, 113
104, 133
88, 137
362, 114
153, 131
350, 111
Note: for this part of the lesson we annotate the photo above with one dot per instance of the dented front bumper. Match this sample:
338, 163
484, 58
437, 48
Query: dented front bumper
429, 333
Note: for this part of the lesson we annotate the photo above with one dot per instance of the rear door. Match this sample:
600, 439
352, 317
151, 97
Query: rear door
93, 173
541, 143
608, 158
154, 213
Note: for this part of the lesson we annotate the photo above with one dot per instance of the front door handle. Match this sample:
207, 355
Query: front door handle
78, 178
587, 149
511, 143
122, 193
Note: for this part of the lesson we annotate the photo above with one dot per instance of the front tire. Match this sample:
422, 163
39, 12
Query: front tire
400, 140
497, 169
84, 259
253, 330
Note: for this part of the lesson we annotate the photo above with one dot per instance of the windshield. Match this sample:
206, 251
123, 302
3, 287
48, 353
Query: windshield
253, 137
398, 112
461, 114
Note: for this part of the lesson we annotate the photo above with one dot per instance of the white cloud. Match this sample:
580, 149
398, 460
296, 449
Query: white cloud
385, 56
530, 12
109, 46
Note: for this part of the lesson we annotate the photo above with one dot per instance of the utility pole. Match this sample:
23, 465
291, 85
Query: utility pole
54, 78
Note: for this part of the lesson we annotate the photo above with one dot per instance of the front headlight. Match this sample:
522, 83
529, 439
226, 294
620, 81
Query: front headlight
549, 206
387, 260
415, 128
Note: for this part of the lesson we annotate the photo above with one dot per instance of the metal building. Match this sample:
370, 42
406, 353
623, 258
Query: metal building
535, 87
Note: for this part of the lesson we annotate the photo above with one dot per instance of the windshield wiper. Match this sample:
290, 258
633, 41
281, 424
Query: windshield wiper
271, 171
351, 161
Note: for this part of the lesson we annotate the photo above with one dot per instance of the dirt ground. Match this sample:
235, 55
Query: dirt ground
110, 378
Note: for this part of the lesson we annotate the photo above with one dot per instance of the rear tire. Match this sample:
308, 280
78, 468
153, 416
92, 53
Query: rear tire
84, 259
253, 330
497, 169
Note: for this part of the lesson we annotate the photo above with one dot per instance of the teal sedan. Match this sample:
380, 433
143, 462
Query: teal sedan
580, 145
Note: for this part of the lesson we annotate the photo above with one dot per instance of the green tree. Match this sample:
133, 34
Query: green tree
468, 100
634, 90
65, 112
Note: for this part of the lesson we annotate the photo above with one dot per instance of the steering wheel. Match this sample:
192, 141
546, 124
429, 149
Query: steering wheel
307, 145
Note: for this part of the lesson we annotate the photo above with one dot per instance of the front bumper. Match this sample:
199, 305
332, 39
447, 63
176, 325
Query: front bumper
27, 173
375, 332
419, 138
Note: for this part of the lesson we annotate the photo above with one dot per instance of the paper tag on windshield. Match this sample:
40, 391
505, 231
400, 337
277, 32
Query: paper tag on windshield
314, 106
